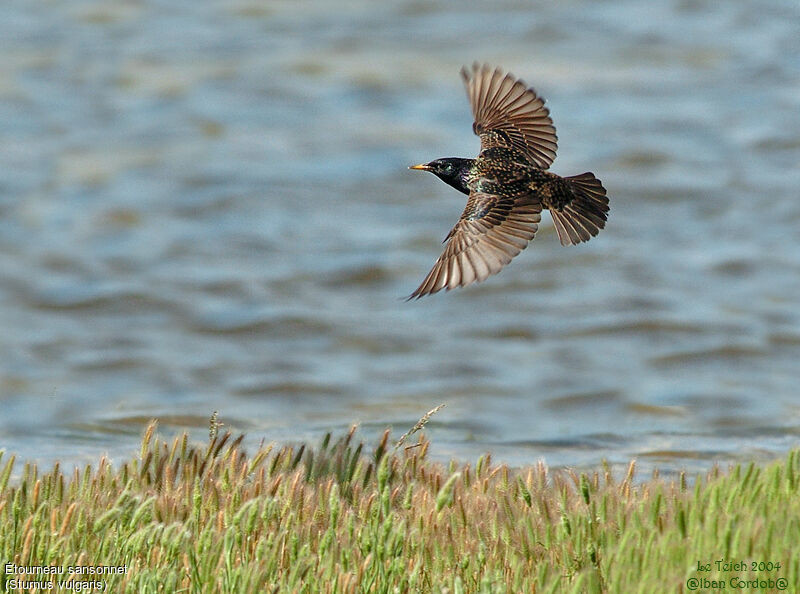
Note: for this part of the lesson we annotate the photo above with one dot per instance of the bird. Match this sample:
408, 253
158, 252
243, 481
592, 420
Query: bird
508, 184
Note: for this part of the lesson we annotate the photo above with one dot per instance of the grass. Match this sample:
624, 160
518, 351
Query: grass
344, 517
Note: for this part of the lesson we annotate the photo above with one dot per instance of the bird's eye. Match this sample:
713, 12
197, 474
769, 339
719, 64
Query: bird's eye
448, 168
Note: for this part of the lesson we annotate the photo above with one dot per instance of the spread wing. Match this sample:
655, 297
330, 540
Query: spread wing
491, 231
507, 113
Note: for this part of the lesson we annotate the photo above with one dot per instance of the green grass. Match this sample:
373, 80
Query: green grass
344, 517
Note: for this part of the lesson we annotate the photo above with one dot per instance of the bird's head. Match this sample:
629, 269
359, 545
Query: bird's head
452, 171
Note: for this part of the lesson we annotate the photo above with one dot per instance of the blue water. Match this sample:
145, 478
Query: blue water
206, 206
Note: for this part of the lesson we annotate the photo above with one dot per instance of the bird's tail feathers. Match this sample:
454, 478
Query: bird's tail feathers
583, 216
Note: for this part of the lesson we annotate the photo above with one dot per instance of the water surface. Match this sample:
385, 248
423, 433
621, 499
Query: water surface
206, 206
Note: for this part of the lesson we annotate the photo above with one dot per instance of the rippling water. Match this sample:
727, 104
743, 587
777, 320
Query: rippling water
206, 206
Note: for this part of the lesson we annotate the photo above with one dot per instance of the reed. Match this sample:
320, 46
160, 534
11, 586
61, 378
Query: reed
345, 517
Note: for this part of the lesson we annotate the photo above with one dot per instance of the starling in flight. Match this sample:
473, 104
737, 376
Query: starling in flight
508, 184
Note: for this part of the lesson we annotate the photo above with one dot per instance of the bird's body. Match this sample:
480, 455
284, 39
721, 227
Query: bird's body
508, 185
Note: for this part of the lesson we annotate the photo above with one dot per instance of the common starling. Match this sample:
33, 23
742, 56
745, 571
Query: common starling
508, 184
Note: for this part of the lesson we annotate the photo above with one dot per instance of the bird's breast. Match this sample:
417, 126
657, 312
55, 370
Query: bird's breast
501, 177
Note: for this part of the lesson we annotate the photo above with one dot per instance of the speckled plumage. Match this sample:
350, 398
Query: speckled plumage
508, 184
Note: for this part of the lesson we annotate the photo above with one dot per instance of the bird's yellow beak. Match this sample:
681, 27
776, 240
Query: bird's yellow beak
421, 167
